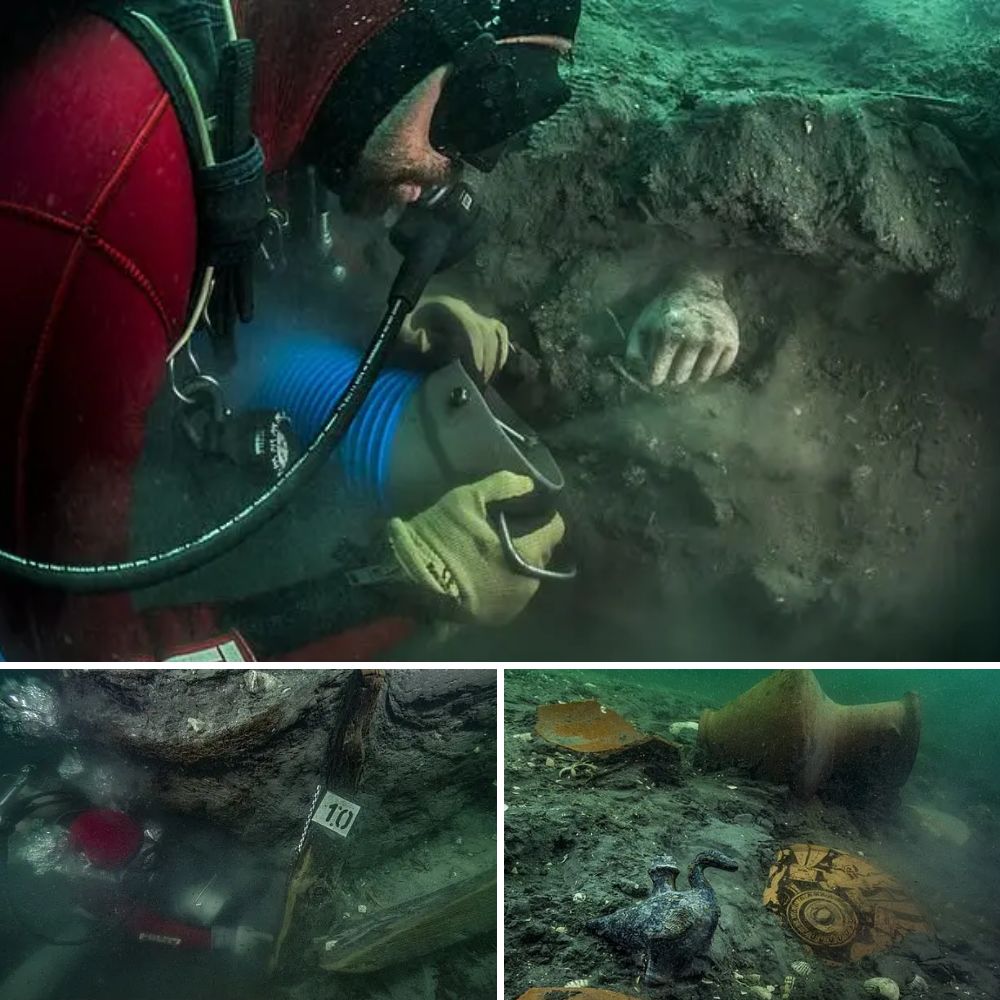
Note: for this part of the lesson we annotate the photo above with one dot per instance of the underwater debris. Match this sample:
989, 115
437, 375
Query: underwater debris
880, 986
933, 100
588, 727
841, 905
28, 708
579, 770
585, 727
615, 364
677, 728
417, 927
258, 680
570, 992
786, 730
941, 825
672, 928
803, 969
918, 985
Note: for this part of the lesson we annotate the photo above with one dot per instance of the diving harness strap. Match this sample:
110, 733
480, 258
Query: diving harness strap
196, 52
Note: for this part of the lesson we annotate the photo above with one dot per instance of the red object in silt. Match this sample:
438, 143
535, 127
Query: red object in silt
105, 837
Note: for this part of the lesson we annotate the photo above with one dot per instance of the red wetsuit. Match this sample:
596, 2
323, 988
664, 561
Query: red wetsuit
98, 248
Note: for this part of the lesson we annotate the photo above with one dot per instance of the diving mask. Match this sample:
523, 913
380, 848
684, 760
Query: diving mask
494, 92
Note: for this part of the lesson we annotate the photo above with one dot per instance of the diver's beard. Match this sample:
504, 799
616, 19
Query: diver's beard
370, 190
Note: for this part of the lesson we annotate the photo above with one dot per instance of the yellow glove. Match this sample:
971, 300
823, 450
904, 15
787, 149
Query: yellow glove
450, 326
453, 551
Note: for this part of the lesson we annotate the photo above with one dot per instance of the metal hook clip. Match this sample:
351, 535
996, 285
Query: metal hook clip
272, 244
521, 565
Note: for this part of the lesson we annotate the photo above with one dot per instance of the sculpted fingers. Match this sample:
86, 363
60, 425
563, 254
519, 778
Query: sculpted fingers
663, 360
708, 362
685, 362
726, 361
690, 334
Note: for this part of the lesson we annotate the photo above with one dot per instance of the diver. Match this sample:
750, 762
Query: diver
121, 238
84, 883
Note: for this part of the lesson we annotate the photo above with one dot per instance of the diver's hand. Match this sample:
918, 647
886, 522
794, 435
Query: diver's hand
449, 328
690, 333
453, 551
241, 941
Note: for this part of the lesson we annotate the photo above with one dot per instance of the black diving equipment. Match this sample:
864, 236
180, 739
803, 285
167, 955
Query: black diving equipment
495, 92
209, 71
261, 442
432, 233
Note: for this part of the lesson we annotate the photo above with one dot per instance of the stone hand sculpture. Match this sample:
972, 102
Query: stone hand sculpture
689, 332
672, 930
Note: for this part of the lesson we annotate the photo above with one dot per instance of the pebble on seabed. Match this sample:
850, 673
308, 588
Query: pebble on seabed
880, 986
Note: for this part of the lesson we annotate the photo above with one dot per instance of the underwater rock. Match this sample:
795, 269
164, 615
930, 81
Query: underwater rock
923, 948
892, 965
673, 928
261, 749
28, 709
882, 987
684, 732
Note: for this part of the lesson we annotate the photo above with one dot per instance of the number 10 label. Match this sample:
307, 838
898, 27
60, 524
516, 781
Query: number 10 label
336, 814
